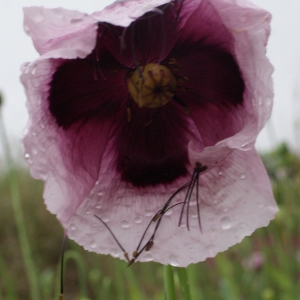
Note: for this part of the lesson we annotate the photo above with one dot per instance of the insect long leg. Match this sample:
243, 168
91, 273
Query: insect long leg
195, 180
61, 296
116, 240
157, 217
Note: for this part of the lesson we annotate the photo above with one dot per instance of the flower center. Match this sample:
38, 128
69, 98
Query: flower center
152, 85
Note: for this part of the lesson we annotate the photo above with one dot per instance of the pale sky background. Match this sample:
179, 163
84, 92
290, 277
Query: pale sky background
283, 50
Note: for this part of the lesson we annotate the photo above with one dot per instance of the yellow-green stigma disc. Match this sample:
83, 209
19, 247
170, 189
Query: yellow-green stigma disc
152, 85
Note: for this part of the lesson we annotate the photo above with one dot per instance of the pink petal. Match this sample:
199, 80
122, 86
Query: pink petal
123, 13
59, 32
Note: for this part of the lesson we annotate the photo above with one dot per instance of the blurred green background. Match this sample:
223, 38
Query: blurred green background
264, 266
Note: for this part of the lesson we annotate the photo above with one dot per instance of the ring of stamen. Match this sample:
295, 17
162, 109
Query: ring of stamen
152, 85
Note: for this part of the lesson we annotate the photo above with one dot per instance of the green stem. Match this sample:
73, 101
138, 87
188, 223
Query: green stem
6, 280
19, 218
184, 283
77, 258
169, 283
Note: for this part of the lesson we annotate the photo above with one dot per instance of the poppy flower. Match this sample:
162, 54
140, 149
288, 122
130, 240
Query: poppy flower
143, 119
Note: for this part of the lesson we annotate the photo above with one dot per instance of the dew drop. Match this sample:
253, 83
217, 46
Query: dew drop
24, 66
28, 158
243, 176
147, 257
93, 244
137, 220
220, 173
148, 213
268, 101
211, 250
34, 149
88, 212
114, 252
194, 216
100, 194
105, 218
174, 261
97, 182
168, 213
26, 29
242, 230
73, 227
38, 17
225, 223
125, 224
99, 206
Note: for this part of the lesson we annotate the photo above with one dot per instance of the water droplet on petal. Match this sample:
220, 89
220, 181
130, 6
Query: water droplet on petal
26, 29
97, 182
225, 223
93, 244
114, 252
148, 213
105, 218
100, 194
37, 17
220, 173
168, 213
88, 212
194, 216
147, 257
28, 158
137, 220
242, 230
174, 261
243, 176
125, 224
211, 250
98, 206
73, 227
34, 149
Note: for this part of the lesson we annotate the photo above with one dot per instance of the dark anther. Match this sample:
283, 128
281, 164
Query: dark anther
149, 245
